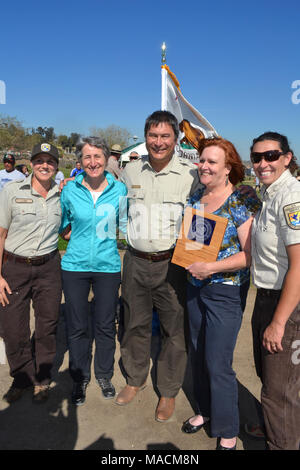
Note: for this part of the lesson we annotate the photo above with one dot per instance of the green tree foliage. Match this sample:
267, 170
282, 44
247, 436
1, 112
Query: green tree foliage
13, 136
73, 139
46, 133
63, 141
12, 133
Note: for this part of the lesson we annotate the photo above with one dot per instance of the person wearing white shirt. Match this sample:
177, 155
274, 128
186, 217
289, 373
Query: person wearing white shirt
9, 173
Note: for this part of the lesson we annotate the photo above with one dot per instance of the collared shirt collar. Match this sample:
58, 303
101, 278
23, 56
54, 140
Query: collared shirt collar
273, 188
27, 184
172, 166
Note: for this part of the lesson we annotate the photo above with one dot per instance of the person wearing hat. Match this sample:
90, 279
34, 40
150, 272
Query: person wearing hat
113, 161
30, 218
9, 173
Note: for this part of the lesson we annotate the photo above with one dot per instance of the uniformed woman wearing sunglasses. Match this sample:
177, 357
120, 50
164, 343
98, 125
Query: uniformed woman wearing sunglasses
276, 268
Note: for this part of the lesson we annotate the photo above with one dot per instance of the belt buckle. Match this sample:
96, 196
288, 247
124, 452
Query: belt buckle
28, 261
149, 257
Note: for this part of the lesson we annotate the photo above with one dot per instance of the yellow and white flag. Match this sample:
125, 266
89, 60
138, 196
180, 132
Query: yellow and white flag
193, 126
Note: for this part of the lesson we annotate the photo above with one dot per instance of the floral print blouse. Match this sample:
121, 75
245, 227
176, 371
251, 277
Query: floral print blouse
237, 209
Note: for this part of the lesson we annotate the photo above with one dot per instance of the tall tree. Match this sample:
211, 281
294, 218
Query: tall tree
63, 141
73, 139
113, 135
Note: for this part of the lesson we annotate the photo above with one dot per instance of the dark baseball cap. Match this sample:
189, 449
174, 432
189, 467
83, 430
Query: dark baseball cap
9, 158
48, 149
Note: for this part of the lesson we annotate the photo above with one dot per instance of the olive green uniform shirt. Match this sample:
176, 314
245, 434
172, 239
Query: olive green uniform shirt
276, 226
156, 201
32, 221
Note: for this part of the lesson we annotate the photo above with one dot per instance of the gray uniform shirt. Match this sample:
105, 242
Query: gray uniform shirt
113, 167
156, 201
32, 221
276, 226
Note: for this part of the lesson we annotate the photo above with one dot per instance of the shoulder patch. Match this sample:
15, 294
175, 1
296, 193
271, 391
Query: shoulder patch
292, 215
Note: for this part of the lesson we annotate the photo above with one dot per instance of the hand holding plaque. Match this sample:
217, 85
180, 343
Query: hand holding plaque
200, 237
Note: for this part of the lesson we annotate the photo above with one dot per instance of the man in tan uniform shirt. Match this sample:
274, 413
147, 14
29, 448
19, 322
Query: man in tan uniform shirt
159, 185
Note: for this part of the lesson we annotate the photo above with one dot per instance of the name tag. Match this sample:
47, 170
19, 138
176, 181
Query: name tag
136, 186
20, 200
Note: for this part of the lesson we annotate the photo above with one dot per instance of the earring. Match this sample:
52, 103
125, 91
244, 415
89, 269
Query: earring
226, 181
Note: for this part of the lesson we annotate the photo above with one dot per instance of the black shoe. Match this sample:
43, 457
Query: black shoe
189, 428
220, 447
108, 390
78, 393
14, 394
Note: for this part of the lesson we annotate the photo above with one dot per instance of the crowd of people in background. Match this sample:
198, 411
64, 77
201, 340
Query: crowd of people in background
200, 308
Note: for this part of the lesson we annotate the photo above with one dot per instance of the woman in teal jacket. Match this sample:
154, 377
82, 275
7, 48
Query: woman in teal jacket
93, 206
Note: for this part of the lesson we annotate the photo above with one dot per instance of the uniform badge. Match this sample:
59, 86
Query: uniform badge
45, 147
292, 215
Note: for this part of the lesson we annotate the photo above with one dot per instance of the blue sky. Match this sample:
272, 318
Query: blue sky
77, 64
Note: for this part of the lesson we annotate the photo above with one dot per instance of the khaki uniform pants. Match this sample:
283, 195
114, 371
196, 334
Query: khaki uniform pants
163, 285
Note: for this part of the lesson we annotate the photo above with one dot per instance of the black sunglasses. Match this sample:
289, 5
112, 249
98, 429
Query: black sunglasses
268, 156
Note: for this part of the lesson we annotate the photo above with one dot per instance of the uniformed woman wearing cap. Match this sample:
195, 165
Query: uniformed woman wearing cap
276, 267
29, 221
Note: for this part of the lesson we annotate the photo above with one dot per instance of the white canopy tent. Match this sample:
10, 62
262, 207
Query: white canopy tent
140, 148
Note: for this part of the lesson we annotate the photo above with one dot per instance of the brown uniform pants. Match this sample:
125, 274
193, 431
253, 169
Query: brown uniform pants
279, 373
161, 284
42, 285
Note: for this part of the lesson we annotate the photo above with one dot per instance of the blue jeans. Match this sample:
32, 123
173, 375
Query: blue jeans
83, 326
215, 316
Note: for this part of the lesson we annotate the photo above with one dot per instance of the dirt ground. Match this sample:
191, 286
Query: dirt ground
102, 425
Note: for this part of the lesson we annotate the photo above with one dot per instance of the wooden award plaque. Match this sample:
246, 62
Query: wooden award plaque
200, 237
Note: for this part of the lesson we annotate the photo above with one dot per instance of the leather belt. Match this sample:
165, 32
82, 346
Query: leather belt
34, 261
268, 292
158, 256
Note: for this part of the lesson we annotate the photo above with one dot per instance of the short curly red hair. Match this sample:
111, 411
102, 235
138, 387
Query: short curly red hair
232, 158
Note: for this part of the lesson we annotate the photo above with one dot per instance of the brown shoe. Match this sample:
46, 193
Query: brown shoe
40, 393
165, 409
127, 394
13, 394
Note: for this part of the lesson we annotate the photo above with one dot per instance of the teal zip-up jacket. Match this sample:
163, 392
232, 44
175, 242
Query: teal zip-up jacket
93, 244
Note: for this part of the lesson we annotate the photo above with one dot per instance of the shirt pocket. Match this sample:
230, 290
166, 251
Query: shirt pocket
24, 211
136, 198
135, 195
173, 205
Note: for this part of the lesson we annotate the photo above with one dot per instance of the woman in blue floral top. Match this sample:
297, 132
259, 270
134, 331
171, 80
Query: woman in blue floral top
217, 293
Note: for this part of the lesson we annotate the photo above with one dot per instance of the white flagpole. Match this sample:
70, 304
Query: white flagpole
163, 79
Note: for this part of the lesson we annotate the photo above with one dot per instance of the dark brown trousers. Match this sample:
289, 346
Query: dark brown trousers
280, 375
163, 285
31, 362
